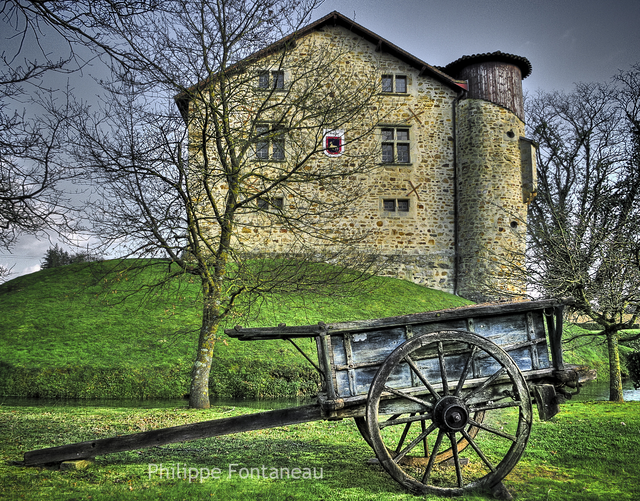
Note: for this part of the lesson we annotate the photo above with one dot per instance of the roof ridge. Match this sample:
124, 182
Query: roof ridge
338, 18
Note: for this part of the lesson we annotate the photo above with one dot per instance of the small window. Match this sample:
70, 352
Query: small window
269, 142
277, 144
394, 83
403, 205
395, 146
276, 203
268, 80
262, 144
395, 205
387, 83
278, 79
263, 80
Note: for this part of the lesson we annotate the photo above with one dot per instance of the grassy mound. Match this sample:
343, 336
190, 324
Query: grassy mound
89, 331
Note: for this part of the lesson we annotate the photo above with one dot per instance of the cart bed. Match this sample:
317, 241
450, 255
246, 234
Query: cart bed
350, 353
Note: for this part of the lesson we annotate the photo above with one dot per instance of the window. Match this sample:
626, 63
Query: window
394, 83
263, 80
395, 205
395, 146
271, 203
273, 79
387, 83
269, 142
262, 145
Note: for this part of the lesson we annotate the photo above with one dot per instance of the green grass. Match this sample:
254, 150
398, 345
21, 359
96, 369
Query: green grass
63, 334
588, 452
69, 333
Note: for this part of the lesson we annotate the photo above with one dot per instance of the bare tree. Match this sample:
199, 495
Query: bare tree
33, 124
32, 167
235, 185
584, 224
42, 39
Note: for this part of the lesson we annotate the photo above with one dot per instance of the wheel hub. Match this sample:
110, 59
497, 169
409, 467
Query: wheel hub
451, 414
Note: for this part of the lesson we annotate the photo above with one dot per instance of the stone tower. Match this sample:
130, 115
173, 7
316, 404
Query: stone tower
495, 174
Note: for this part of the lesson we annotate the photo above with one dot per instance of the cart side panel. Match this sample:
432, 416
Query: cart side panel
366, 347
523, 331
357, 381
375, 345
358, 355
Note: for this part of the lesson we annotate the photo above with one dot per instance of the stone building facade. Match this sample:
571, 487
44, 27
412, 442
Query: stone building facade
448, 199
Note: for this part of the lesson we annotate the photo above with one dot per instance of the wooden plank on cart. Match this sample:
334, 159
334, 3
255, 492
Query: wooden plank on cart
216, 427
474, 311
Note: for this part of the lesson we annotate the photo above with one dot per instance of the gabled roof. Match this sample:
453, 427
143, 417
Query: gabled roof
382, 45
337, 19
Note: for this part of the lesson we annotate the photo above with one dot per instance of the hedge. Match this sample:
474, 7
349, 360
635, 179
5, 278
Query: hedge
229, 379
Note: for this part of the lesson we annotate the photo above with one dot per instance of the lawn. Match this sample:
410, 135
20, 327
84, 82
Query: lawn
588, 452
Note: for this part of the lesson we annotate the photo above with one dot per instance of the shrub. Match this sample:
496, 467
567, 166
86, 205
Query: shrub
229, 379
633, 364
56, 257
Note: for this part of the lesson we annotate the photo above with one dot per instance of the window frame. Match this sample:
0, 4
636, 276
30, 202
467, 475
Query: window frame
271, 80
389, 83
271, 204
389, 145
396, 206
270, 144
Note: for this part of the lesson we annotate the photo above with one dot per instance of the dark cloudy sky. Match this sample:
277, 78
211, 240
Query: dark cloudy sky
567, 41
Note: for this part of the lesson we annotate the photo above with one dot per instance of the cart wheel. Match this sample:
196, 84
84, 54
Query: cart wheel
478, 417
440, 381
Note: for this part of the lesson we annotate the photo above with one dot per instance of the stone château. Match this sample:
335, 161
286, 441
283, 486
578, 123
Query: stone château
455, 173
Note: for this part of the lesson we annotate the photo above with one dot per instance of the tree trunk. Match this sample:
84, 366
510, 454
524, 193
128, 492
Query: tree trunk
615, 378
199, 393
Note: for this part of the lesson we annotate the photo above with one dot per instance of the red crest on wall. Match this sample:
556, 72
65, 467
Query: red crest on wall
333, 143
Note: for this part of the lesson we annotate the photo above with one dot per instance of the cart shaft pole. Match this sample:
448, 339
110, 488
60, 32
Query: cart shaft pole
204, 429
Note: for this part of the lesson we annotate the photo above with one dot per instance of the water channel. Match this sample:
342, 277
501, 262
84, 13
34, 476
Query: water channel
598, 390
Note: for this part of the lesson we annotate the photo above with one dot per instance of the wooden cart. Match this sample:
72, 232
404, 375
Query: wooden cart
444, 398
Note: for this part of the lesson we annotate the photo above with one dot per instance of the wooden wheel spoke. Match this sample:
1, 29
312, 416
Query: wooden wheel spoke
485, 384
411, 419
456, 458
421, 377
424, 441
493, 430
496, 405
395, 416
477, 449
432, 458
414, 442
404, 434
443, 370
465, 371
408, 397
